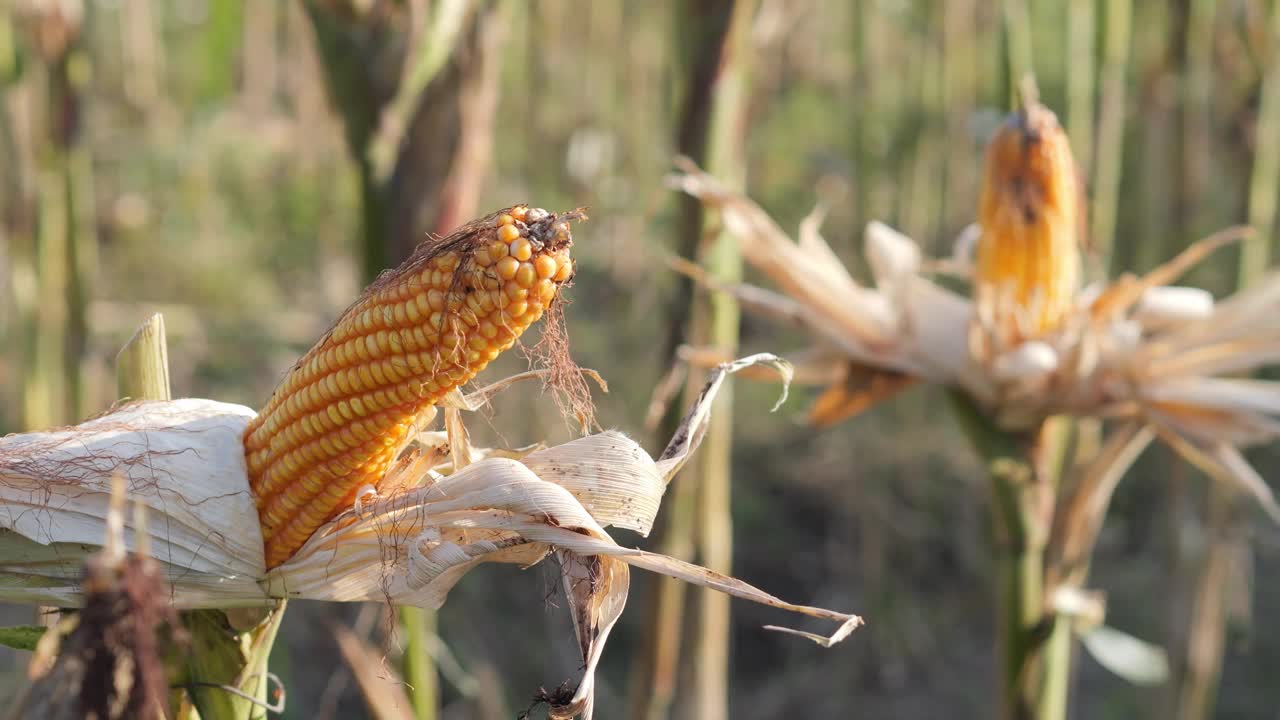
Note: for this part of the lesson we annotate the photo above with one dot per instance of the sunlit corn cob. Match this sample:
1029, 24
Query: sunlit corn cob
1029, 211
343, 413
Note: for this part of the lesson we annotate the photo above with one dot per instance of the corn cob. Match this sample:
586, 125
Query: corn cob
1030, 211
349, 406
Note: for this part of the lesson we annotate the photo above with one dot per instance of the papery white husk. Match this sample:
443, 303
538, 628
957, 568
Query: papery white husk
183, 460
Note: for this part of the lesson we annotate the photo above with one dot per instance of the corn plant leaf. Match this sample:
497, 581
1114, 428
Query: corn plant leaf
383, 690
1137, 661
689, 433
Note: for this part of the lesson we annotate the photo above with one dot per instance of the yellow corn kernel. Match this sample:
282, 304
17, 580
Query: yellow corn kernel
545, 266
564, 271
507, 267
1030, 213
526, 275
342, 414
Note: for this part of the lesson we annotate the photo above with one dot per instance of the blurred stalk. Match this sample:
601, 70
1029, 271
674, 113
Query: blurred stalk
1256, 253
375, 255
260, 56
1019, 57
1201, 663
82, 241
220, 652
418, 115
726, 159
142, 55
8, 48
1158, 44
1108, 160
959, 90
422, 140
1197, 108
419, 668
919, 216
44, 396
217, 44
15, 237
1053, 690
1034, 644
1081, 79
715, 47
65, 222
860, 165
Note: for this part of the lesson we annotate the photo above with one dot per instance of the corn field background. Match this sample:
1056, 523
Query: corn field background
195, 157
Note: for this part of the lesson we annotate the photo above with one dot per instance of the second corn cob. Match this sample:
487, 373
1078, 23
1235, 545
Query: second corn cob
348, 407
1030, 212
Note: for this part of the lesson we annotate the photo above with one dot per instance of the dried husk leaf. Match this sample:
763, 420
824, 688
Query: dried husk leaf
178, 458
1089, 500
1169, 305
610, 475
809, 273
408, 541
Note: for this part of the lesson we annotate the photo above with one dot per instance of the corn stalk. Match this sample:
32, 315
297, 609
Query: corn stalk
417, 119
726, 140
1019, 58
1205, 644
228, 650
717, 45
15, 199
1023, 472
422, 144
1111, 115
63, 239
1081, 80
1266, 165
419, 668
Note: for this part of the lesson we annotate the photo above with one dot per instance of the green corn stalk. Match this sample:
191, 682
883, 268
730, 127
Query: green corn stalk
227, 650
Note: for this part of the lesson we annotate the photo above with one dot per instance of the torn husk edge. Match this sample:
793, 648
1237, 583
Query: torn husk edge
183, 461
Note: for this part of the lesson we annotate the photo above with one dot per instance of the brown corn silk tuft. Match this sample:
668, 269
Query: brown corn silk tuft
1030, 210
109, 665
345, 411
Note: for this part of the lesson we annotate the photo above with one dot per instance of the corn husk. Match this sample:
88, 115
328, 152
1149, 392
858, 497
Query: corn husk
177, 458
407, 542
